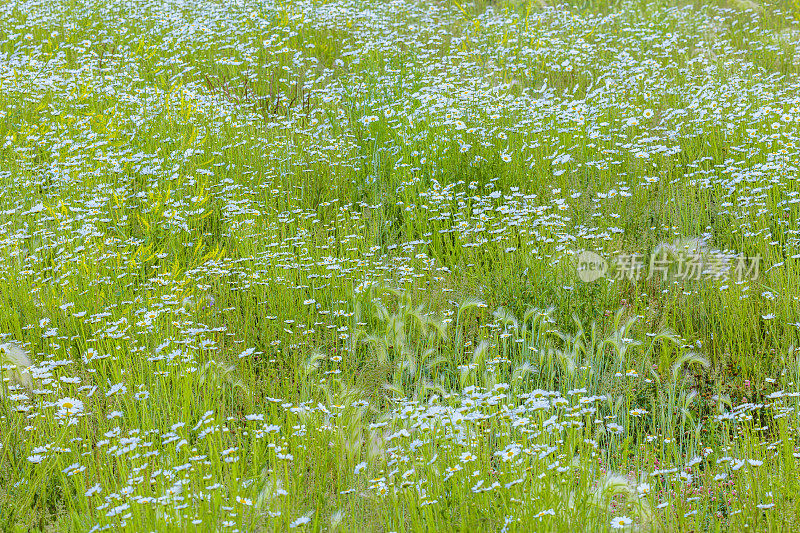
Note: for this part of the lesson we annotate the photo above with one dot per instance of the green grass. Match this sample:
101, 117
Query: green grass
313, 265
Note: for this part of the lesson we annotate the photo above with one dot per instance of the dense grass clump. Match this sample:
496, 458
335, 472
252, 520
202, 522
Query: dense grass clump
351, 265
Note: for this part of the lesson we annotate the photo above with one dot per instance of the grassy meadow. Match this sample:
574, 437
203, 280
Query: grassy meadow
314, 265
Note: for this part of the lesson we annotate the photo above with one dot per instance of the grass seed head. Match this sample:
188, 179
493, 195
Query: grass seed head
15, 360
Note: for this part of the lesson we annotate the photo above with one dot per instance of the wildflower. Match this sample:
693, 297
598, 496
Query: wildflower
511, 452
620, 522
453, 469
246, 353
70, 405
74, 468
514, 482
119, 387
467, 457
